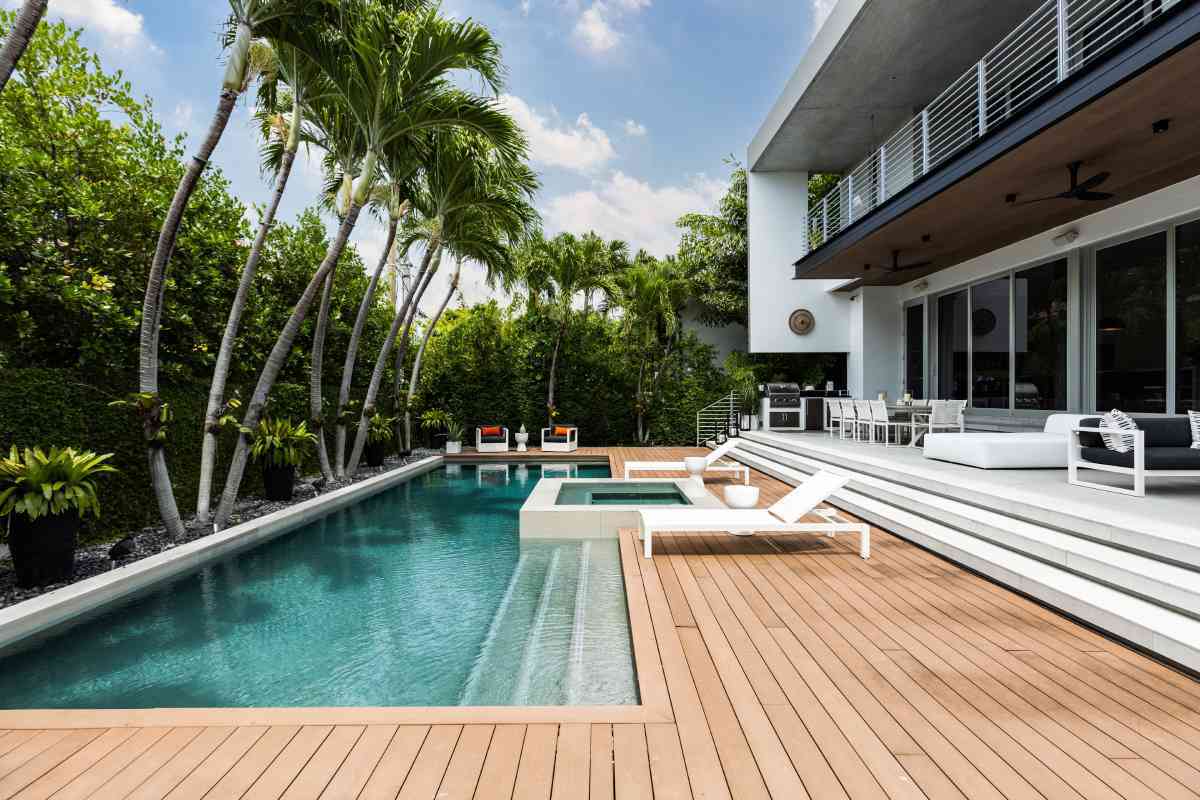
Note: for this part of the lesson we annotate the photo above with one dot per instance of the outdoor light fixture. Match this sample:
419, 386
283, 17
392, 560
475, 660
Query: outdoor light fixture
1066, 237
921, 285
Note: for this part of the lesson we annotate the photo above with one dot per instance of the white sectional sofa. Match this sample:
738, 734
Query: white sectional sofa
1031, 450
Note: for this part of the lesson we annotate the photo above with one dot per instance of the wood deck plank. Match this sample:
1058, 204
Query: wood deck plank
355, 770
147, 763
310, 783
214, 767
77, 764
668, 773
88, 782
181, 764
499, 774
535, 773
243, 774
430, 765
631, 763
572, 776
45, 761
392, 770
601, 786
466, 765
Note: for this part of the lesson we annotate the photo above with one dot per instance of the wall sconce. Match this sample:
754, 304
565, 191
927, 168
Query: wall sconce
920, 285
1066, 237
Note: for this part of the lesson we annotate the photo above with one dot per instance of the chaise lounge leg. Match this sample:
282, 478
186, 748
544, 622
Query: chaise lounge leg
864, 541
646, 547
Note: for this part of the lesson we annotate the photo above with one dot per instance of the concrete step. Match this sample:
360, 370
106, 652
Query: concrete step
1151, 604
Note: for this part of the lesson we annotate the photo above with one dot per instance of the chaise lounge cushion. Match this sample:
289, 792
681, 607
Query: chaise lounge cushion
1024, 450
1160, 432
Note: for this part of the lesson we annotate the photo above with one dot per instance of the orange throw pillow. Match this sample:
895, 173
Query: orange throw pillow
492, 430
562, 430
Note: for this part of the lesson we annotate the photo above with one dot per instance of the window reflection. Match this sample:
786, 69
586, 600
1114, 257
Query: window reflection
952, 346
989, 344
1040, 337
1131, 325
914, 350
1187, 318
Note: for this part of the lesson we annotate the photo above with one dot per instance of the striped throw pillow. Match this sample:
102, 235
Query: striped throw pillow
1118, 420
1194, 419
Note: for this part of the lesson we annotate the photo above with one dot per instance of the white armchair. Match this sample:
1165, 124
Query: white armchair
491, 439
560, 443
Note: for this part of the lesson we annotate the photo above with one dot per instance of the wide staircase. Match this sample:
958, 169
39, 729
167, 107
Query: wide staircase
554, 639
1136, 582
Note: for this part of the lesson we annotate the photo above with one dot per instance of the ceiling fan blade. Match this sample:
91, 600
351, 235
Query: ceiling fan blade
1094, 196
1093, 182
1042, 199
907, 267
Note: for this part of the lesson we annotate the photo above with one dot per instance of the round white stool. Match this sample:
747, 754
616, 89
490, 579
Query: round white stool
695, 467
739, 496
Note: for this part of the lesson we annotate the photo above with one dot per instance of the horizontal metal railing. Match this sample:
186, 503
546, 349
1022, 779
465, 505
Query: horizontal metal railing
1058, 39
712, 421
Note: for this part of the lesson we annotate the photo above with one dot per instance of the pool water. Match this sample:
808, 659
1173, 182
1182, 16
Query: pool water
420, 596
621, 493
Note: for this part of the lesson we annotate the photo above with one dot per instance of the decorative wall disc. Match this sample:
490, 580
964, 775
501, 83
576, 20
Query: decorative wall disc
801, 322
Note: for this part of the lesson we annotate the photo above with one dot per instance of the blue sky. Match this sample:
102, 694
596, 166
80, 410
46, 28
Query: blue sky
630, 105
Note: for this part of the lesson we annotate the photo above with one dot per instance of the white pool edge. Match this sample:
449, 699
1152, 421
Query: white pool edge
542, 518
53, 608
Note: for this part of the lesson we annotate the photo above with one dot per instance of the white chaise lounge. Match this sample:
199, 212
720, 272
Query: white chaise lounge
1024, 450
712, 463
782, 517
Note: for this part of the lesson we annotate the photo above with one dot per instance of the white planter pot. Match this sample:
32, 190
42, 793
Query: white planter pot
522, 440
453, 448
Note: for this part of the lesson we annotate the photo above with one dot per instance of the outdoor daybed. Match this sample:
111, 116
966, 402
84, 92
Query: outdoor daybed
561, 438
1024, 450
1162, 447
491, 439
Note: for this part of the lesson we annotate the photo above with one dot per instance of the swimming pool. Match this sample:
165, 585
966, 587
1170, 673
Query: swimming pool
422, 595
621, 493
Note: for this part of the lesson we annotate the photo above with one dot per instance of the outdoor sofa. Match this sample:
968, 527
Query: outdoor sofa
1024, 450
491, 439
562, 437
1162, 447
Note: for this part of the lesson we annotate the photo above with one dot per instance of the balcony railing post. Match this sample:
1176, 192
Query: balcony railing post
981, 92
849, 215
924, 141
825, 217
1062, 20
882, 173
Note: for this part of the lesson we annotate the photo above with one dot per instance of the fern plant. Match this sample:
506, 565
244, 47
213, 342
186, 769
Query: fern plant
279, 443
39, 484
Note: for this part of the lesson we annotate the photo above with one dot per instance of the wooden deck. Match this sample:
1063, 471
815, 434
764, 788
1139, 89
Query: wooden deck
532, 455
769, 667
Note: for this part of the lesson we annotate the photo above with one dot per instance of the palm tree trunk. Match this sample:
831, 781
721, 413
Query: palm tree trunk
152, 305
18, 38
562, 332
316, 398
641, 412
216, 391
416, 370
429, 266
275, 363
406, 339
364, 309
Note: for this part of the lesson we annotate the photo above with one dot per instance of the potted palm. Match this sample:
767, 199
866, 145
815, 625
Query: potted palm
452, 429
380, 434
43, 497
279, 446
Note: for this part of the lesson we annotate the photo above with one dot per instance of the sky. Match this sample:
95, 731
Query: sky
631, 107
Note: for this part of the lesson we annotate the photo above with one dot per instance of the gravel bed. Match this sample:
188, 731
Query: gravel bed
100, 558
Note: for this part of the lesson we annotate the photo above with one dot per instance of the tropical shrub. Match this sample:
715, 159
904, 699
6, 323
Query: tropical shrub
381, 430
438, 420
280, 443
39, 484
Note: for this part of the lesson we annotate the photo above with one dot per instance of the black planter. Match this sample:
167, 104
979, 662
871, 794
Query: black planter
376, 453
43, 550
278, 482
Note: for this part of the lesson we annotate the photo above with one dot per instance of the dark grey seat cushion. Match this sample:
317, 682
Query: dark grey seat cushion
1156, 457
565, 439
493, 439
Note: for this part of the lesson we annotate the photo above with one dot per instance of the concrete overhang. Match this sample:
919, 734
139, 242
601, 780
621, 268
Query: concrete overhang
870, 68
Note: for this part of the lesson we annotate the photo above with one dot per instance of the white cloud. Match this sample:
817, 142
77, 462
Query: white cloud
596, 30
623, 207
526, 5
117, 26
633, 128
183, 116
578, 146
820, 13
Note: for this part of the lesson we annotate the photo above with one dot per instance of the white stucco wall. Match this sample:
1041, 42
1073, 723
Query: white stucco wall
874, 362
777, 210
722, 338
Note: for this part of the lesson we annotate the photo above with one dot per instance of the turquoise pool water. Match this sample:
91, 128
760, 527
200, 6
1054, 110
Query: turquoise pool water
624, 493
421, 595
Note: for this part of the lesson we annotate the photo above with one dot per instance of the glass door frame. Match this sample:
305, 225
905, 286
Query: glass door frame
926, 328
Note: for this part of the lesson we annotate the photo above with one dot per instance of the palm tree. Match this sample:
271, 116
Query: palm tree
467, 182
650, 292
18, 38
282, 133
557, 271
389, 69
391, 199
248, 20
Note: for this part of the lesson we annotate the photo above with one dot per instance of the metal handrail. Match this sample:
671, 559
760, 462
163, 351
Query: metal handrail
1054, 42
714, 418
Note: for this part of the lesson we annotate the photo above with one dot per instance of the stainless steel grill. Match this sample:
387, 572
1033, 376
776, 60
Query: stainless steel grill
1058, 39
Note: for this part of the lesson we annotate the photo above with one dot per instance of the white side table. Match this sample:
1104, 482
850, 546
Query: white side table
522, 440
695, 466
740, 496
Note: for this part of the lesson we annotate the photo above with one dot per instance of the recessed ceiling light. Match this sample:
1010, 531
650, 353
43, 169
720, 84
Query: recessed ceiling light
1161, 126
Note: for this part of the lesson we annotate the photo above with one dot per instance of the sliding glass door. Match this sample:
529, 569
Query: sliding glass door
914, 350
953, 321
1131, 325
1040, 336
990, 346
1187, 318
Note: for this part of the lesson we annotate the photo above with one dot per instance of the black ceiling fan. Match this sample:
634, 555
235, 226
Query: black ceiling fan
896, 267
1078, 191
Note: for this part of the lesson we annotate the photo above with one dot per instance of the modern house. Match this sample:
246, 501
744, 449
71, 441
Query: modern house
1018, 219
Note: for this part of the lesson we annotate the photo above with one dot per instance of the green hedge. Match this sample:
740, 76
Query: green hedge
61, 407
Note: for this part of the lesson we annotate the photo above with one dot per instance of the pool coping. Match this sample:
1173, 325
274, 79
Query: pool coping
39, 614
641, 596
541, 516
